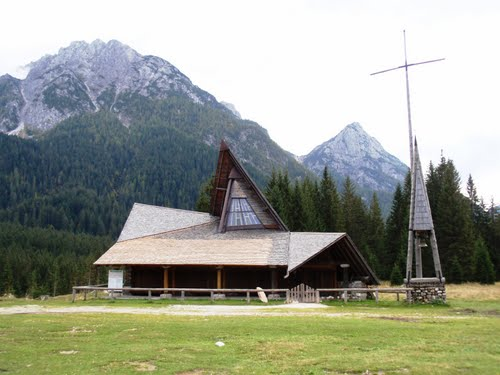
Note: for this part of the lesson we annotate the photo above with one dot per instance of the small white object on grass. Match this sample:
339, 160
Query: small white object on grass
219, 343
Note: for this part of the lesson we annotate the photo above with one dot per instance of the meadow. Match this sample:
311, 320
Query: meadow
391, 337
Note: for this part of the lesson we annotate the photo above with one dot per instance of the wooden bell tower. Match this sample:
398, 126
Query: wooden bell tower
421, 232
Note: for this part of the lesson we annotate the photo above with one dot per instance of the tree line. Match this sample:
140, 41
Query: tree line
468, 232
45, 261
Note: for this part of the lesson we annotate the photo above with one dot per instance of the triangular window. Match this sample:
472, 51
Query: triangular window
242, 215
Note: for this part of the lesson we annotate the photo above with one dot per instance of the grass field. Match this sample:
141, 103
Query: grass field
462, 337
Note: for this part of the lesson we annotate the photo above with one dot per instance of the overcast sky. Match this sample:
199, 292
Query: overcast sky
301, 69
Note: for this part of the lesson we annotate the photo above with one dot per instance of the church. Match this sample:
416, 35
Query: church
241, 243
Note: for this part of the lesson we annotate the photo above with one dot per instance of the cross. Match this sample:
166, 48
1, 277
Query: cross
406, 66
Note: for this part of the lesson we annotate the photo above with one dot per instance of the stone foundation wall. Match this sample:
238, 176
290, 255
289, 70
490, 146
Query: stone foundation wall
427, 291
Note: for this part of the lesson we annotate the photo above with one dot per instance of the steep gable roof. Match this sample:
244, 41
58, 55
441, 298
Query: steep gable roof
229, 168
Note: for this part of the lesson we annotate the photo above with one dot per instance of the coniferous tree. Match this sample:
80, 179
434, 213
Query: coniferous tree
203, 202
329, 204
310, 205
296, 223
484, 271
354, 217
375, 233
452, 221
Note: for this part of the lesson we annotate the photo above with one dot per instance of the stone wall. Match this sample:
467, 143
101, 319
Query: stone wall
427, 290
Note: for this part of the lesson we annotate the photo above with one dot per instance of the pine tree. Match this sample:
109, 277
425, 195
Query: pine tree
296, 223
375, 233
310, 205
396, 233
206, 189
329, 203
484, 271
396, 276
354, 216
452, 222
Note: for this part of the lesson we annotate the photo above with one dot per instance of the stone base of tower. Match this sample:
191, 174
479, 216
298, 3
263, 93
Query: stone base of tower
427, 290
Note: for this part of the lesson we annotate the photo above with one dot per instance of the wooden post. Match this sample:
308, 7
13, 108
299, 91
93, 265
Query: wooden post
73, 297
165, 277
274, 278
211, 296
219, 277
183, 295
345, 295
376, 295
248, 297
149, 294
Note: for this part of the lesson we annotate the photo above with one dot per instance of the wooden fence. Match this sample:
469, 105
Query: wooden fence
346, 292
301, 293
180, 291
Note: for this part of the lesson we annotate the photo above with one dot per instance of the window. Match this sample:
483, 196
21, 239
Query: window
241, 214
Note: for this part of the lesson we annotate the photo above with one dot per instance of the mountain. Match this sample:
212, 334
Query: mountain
101, 126
86, 78
355, 154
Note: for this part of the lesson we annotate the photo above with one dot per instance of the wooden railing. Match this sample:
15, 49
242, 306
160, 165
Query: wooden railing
182, 291
213, 292
375, 291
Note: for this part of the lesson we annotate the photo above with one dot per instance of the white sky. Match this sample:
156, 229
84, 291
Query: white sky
301, 68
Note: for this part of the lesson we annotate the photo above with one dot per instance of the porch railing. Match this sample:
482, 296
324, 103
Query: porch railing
345, 292
182, 291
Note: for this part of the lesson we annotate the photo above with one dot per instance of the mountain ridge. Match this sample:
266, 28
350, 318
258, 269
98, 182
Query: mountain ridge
87, 77
355, 154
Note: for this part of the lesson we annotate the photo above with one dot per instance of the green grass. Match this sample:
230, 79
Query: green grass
388, 338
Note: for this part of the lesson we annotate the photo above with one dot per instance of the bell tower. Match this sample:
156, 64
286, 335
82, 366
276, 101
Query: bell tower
421, 232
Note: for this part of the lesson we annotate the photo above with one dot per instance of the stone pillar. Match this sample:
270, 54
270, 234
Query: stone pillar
427, 290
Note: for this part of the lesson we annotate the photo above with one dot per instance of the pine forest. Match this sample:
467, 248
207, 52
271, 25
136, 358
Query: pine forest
64, 198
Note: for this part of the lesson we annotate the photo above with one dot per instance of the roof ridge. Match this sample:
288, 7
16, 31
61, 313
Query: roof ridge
173, 209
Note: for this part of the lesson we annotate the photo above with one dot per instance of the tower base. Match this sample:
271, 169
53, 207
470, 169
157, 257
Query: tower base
427, 290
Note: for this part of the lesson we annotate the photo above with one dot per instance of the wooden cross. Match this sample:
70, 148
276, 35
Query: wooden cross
406, 66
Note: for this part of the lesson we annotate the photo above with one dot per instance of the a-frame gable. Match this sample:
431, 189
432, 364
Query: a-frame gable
231, 181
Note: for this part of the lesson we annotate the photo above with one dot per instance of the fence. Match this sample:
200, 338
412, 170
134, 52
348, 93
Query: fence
375, 291
301, 293
181, 291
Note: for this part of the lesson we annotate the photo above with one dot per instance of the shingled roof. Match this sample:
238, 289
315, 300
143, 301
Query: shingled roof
164, 236
146, 220
422, 217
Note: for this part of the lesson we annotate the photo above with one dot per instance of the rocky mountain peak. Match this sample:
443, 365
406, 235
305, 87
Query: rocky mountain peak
354, 153
86, 77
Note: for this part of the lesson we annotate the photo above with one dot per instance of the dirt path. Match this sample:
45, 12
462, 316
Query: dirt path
197, 310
